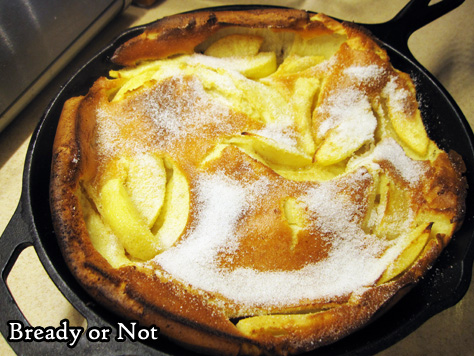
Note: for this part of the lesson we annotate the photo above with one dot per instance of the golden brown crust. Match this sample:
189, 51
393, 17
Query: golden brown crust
193, 319
180, 34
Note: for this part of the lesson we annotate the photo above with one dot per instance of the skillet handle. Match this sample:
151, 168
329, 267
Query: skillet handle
415, 15
14, 240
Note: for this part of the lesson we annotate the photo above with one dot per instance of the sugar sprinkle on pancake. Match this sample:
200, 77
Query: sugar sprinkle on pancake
253, 183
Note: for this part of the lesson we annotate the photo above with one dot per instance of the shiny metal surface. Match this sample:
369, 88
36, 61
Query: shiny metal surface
37, 38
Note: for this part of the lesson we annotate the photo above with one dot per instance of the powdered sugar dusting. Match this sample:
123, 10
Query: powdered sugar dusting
365, 74
113, 125
283, 136
223, 202
108, 131
390, 151
349, 111
176, 109
399, 98
177, 115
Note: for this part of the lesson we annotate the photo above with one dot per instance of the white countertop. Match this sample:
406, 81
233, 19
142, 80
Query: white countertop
445, 47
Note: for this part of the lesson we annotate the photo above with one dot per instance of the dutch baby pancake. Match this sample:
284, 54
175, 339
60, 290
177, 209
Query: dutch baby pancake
251, 182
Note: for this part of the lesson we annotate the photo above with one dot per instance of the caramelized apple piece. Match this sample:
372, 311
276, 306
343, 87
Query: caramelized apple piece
415, 242
146, 184
269, 150
174, 216
235, 45
120, 214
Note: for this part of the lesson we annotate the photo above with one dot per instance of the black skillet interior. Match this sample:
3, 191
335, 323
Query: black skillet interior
442, 287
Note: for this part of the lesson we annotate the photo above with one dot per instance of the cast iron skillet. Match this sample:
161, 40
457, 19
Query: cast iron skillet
442, 287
